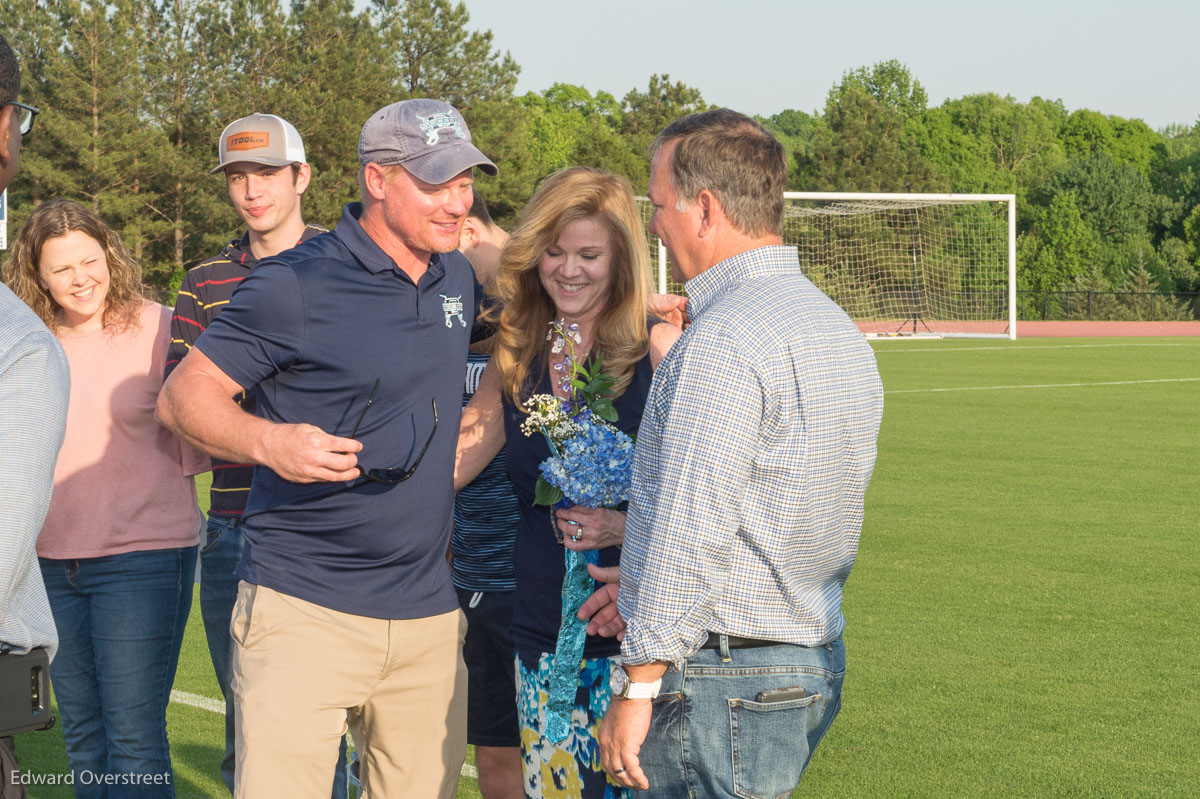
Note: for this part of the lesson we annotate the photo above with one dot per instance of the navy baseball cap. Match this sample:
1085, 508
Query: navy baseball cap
428, 138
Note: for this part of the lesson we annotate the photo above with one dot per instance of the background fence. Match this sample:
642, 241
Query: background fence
1107, 306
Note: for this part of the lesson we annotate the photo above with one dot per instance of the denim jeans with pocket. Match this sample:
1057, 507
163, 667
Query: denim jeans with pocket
219, 556
120, 621
742, 722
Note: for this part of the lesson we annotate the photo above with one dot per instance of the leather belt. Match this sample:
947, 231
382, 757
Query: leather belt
737, 642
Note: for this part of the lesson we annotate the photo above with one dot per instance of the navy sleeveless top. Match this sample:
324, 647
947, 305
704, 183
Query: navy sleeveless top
537, 556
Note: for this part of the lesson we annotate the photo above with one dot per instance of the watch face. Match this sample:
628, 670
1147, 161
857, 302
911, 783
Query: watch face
618, 680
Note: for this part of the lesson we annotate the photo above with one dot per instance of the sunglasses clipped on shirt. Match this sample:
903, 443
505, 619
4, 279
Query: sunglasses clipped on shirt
396, 474
25, 115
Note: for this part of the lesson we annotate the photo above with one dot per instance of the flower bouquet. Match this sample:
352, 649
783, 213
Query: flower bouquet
591, 460
590, 464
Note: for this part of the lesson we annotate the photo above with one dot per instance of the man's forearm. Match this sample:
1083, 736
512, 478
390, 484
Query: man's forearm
197, 404
195, 407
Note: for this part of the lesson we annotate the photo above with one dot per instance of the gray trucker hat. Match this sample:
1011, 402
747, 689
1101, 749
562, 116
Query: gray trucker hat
259, 139
428, 137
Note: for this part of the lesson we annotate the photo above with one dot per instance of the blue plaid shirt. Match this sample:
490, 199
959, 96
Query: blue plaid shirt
754, 454
34, 386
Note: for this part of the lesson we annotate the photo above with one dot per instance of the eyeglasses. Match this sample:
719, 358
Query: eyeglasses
395, 474
27, 113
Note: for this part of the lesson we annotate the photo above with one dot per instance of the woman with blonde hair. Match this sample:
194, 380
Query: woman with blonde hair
118, 548
578, 258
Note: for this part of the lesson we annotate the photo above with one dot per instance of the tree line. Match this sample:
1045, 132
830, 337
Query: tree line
1103, 203
134, 95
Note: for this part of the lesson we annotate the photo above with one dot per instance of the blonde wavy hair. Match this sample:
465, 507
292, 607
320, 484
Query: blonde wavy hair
524, 310
58, 218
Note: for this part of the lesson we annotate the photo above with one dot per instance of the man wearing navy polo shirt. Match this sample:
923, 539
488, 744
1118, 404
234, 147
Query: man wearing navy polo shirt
357, 341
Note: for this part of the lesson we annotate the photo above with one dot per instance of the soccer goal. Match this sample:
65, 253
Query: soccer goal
915, 264
905, 264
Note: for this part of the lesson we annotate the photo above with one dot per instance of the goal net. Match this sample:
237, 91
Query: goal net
905, 264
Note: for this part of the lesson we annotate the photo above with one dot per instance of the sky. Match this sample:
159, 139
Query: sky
1130, 59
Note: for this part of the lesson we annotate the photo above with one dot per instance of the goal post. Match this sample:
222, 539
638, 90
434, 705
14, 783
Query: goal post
911, 264
903, 264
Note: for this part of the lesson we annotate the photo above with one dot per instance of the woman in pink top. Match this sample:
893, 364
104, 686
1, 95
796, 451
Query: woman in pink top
118, 549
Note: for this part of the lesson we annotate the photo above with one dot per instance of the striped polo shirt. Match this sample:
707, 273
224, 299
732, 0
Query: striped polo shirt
485, 516
206, 290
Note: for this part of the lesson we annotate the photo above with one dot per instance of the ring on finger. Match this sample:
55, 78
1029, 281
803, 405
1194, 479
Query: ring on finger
576, 536
618, 771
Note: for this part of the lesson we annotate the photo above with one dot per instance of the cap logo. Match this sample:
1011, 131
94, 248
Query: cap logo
433, 124
248, 140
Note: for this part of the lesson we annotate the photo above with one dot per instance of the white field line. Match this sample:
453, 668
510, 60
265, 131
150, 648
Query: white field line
1015, 348
216, 706
202, 702
1044, 385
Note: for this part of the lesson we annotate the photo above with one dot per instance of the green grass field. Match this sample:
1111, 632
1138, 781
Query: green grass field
1022, 615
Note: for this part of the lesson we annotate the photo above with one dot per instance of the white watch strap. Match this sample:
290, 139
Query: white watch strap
643, 690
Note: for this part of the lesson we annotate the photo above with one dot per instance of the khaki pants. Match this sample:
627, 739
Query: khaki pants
301, 671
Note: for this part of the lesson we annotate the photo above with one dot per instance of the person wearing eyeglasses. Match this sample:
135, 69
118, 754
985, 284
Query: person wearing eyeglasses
357, 342
118, 548
17, 119
262, 161
34, 385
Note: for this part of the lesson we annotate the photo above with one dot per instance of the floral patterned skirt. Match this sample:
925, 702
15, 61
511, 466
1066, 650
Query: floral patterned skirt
572, 768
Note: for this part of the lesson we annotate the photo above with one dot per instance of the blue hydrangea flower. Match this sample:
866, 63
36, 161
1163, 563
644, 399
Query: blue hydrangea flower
594, 467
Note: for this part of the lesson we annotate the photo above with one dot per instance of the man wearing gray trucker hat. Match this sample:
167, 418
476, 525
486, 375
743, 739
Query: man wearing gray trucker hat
357, 341
262, 159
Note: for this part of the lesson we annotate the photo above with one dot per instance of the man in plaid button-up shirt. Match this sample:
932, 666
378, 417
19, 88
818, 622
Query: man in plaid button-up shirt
34, 386
754, 454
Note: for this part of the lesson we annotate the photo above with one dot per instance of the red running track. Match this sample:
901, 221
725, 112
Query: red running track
1048, 329
1086, 329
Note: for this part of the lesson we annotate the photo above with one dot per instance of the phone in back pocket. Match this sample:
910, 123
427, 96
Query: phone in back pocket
781, 695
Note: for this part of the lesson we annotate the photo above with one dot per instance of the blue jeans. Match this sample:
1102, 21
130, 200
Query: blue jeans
219, 556
717, 730
120, 623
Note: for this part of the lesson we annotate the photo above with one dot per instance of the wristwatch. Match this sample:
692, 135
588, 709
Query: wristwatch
626, 688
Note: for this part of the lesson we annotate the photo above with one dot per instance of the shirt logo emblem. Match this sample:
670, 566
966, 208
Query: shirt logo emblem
433, 125
452, 307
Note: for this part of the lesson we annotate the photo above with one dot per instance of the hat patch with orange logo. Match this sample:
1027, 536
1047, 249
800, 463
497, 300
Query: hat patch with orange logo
248, 140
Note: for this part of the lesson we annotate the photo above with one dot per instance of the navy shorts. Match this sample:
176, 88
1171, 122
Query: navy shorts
491, 678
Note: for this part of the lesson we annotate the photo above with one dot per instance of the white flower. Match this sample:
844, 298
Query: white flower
546, 413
